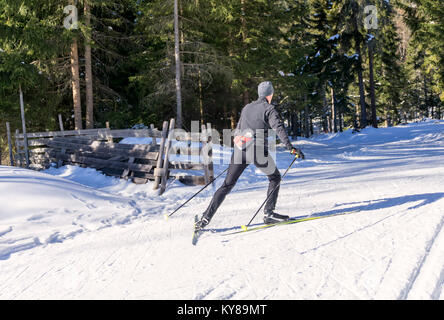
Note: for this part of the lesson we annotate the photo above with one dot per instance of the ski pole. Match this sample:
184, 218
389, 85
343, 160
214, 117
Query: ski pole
244, 227
169, 215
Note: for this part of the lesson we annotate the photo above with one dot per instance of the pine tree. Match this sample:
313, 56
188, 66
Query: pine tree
31, 39
88, 67
390, 72
426, 58
350, 19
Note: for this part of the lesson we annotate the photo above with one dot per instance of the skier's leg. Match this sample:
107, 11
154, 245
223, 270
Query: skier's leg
274, 179
267, 165
233, 174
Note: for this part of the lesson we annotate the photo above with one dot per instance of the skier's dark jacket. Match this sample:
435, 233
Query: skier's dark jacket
261, 115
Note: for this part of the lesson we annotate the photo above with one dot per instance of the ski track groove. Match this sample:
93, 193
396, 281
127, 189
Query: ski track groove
350, 233
32, 283
439, 286
328, 273
422, 261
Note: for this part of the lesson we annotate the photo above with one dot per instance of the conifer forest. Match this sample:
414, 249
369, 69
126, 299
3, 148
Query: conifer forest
335, 64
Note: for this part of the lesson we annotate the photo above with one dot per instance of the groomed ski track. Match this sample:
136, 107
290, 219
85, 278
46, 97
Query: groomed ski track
392, 248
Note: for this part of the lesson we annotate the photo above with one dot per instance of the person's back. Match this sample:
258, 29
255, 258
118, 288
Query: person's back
253, 115
261, 115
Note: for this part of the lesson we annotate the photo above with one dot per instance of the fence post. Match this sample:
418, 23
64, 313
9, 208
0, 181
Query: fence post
60, 160
8, 133
25, 137
108, 135
153, 138
61, 123
17, 147
204, 139
166, 162
160, 156
210, 151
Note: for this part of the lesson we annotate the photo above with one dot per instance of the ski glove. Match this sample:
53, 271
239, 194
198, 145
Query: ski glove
297, 152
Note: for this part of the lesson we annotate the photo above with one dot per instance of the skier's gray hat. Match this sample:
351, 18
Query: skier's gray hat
265, 89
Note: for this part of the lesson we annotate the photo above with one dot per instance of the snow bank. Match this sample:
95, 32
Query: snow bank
38, 208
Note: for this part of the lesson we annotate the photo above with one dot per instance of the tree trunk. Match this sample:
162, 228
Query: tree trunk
88, 70
306, 119
340, 120
311, 126
224, 106
363, 123
181, 37
233, 120
246, 97
178, 65
75, 82
201, 111
334, 111
372, 85
426, 101
294, 124
244, 30
356, 117
301, 122
324, 107
358, 40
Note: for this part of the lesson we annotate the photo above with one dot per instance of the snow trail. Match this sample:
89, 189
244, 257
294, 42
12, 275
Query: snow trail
80, 235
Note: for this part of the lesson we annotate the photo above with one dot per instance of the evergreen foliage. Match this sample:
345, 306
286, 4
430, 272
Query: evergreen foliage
316, 52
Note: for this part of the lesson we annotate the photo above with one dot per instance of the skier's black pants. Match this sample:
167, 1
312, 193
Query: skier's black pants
233, 174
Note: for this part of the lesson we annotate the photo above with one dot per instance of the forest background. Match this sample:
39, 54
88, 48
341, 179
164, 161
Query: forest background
335, 65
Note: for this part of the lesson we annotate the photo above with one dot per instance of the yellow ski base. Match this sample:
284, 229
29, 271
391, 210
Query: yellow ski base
244, 228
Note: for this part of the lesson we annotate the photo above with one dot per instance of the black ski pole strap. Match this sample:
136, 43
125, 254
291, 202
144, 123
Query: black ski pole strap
198, 192
275, 188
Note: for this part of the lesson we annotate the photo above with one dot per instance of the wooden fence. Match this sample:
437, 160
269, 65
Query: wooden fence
100, 149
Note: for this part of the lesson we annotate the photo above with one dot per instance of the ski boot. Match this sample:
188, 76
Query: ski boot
273, 217
202, 223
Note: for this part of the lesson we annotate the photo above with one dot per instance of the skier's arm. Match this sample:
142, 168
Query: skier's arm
277, 125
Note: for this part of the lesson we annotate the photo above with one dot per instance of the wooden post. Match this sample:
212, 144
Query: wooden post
108, 136
160, 156
127, 170
60, 160
8, 132
61, 123
166, 156
204, 139
153, 141
210, 152
17, 148
25, 137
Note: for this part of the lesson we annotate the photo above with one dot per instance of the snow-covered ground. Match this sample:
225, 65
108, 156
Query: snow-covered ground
73, 233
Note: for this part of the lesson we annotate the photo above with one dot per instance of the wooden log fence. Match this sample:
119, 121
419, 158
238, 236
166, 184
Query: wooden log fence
101, 149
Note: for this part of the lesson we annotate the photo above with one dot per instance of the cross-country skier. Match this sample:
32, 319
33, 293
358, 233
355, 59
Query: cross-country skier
251, 143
